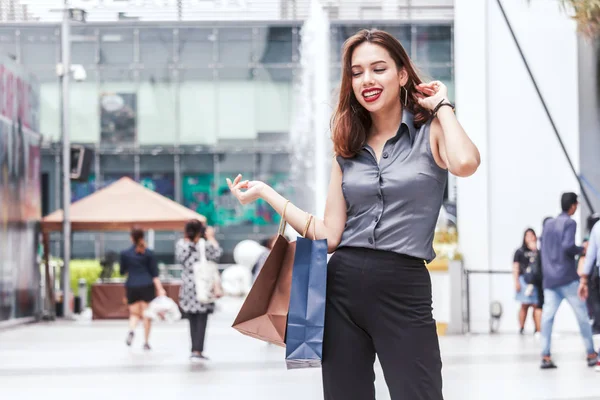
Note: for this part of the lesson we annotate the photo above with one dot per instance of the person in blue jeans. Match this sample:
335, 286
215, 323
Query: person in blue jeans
560, 279
590, 272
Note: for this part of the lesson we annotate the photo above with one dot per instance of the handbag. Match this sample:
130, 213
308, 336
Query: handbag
206, 277
306, 316
263, 314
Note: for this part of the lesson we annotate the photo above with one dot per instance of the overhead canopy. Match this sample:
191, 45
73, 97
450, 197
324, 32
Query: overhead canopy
121, 206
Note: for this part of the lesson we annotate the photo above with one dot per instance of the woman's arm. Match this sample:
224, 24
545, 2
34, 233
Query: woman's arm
330, 227
455, 149
153, 269
213, 249
451, 146
516, 276
122, 265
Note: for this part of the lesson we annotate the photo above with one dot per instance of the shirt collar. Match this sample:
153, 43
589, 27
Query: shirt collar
408, 120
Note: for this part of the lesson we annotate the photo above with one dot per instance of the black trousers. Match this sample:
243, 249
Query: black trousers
593, 303
198, 322
379, 303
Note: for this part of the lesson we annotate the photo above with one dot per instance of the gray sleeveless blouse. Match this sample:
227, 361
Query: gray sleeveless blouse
394, 205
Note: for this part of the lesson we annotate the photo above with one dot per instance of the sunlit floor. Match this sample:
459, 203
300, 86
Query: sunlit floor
89, 360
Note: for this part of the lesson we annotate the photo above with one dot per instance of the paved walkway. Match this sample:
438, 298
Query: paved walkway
89, 360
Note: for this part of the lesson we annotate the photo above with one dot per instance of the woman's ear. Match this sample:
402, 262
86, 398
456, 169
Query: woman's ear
402, 76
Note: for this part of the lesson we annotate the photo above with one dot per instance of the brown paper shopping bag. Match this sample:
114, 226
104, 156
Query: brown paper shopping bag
264, 312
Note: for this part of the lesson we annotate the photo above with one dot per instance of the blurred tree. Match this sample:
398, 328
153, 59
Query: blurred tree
587, 15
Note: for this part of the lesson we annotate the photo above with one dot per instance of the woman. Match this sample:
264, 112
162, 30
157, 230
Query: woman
139, 264
525, 272
187, 253
395, 140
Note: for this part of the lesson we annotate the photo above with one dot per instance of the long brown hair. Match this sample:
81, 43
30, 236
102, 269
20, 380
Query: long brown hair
137, 236
351, 122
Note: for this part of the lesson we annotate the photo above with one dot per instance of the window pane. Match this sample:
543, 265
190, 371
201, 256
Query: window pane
229, 212
196, 162
49, 102
199, 194
197, 107
296, 44
274, 169
156, 107
40, 46
116, 46
400, 32
443, 74
272, 103
235, 47
235, 92
115, 166
434, 44
83, 113
8, 41
84, 45
118, 103
50, 110
156, 47
273, 45
198, 183
196, 47
157, 172
339, 34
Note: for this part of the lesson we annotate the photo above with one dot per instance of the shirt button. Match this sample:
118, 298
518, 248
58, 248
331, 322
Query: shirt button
370, 240
385, 155
379, 196
376, 219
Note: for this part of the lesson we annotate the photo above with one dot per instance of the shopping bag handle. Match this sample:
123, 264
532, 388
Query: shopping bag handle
308, 221
283, 223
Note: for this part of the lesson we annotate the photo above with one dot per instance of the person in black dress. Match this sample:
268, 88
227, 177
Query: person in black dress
142, 284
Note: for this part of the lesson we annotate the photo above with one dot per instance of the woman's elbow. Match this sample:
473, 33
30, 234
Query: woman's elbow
466, 166
332, 245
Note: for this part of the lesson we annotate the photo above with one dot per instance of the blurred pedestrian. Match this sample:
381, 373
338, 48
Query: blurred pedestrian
197, 239
142, 284
561, 280
525, 264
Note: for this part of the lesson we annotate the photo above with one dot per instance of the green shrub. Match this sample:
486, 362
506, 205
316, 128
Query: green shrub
88, 269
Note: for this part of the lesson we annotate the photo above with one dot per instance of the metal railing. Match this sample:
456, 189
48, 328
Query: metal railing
467, 294
224, 10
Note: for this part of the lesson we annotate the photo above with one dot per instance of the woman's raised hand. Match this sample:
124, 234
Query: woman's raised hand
245, 191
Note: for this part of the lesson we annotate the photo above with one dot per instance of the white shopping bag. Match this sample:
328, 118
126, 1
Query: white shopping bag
163, 308
206, 277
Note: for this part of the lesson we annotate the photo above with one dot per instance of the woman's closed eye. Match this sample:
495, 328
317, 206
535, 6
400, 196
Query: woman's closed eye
378, 70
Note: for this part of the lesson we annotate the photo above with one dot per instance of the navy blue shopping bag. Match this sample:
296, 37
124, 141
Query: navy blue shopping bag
306, 317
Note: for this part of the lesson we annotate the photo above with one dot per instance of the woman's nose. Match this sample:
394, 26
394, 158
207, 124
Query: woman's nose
367, 78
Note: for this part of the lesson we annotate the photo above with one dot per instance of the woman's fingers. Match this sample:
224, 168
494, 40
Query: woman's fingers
235, 181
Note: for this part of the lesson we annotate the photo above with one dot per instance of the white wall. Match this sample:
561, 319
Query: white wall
523, 168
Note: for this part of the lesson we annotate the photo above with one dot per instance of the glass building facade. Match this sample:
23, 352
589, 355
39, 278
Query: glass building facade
181, 106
